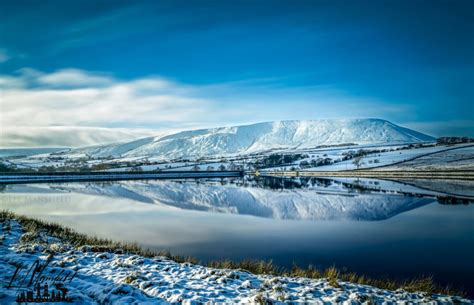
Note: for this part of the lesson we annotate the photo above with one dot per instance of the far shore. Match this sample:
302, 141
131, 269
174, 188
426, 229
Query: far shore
415, 174
43, 177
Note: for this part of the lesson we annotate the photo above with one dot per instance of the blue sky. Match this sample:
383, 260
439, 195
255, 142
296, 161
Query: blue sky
232, 62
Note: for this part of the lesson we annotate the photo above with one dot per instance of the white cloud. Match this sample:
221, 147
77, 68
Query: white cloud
74, 78
9, 82
71, 97
77, 98
68, 136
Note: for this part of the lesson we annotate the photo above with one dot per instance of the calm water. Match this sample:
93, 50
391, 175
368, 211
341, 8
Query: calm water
374, 227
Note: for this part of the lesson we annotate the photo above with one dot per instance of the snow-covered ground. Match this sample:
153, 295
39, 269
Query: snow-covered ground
114, 278
394, 152
459, 158
439, 157
386, 158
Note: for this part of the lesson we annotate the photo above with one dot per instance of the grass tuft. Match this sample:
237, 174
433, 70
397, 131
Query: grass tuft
332, 275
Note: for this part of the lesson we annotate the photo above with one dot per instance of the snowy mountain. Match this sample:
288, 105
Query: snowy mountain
262, 136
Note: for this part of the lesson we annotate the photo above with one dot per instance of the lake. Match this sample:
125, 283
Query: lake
373, 227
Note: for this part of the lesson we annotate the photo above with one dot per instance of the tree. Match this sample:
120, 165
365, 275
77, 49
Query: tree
222, 167
234, 167
136, 169
304, 164
357, 161
196, 168
6, 168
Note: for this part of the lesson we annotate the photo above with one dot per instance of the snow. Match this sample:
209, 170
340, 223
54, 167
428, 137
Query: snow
385, 146
385, 158
261, 137
245, 144
115, 278
460, 157
395, 158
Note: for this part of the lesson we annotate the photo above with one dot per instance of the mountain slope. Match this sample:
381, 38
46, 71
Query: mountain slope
264, 136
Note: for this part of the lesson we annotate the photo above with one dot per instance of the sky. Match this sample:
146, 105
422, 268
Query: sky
76, 73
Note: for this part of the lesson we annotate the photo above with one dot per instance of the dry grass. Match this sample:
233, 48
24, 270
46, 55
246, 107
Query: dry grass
334, 276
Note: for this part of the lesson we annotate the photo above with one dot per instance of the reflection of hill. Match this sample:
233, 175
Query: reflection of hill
299, 199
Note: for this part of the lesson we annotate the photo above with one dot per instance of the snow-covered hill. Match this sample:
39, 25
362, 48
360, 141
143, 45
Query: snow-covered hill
261, 137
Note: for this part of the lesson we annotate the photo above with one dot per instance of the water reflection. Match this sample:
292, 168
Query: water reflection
277, 198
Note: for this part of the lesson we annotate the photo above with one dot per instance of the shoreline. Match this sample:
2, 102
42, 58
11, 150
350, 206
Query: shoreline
45, 177
62, 242
381, 174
